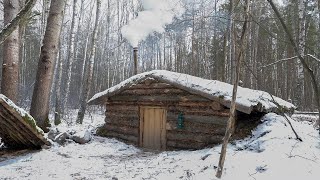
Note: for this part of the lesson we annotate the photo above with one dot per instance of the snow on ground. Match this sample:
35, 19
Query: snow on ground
305, 117
91, 120
271, 153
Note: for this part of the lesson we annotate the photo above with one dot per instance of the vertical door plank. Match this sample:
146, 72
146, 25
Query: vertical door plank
152, 128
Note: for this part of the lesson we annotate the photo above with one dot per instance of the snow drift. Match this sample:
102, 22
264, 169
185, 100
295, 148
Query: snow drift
270, 153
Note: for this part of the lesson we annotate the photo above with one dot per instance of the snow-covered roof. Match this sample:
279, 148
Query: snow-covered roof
248, 100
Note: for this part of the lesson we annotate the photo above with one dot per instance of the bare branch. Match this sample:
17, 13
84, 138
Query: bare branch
314, 58
20, 18
291, 58
282, 113
279, 61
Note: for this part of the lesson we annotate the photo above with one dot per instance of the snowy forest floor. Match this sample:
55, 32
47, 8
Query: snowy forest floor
270, 153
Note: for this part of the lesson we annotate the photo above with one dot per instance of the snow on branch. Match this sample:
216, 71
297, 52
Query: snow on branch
291, 58
314, 58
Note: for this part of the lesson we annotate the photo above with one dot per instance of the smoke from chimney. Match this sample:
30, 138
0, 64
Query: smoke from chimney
155, 16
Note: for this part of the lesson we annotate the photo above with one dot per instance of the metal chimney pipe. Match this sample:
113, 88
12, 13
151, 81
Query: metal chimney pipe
135, 60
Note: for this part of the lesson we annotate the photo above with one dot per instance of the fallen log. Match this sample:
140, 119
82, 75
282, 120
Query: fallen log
18, 128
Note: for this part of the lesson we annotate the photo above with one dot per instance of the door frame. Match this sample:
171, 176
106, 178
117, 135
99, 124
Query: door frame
164, 124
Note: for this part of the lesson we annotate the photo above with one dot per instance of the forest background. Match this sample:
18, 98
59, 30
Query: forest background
203, 42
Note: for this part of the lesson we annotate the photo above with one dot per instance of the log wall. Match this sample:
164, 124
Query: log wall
122, 122
204, 121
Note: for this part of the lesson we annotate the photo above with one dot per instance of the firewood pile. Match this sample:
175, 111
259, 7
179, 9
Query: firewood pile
18, 130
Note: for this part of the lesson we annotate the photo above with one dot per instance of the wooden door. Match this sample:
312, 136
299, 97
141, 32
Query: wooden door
152, 128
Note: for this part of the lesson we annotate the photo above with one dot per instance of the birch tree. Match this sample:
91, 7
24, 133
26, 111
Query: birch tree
58, 79
299, 99
88, 75
71, 52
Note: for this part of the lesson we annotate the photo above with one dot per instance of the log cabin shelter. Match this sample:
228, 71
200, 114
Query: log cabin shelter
162, 110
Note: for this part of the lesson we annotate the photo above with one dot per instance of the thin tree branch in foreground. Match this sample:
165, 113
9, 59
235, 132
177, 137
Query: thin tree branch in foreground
19, 19
282, 113
231, 121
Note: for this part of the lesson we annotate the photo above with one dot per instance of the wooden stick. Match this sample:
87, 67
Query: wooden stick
286, 117
231, 122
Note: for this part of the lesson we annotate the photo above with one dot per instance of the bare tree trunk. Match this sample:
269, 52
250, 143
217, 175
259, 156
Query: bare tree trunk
231, 121
85, 49
41, 94
22, 79
80, 20
11, 51
107, 45
224, 59
58, 113
230, 74
58, 105
71, 52
88, 80
301, 58
299, 95
318, 25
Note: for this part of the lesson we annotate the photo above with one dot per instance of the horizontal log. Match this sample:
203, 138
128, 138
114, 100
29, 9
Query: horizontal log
151, 86
192, 107
15, 130
160, 104
122, 107
218, 120
212, 104
10, 136
195, 104
153, 91
190, 110
5, 137
185, 145
195, 127
27, 129
102, 131
122, 129
159, 98
15, 137
29, 138
193, 137
124, 137
124, 114
123, 121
